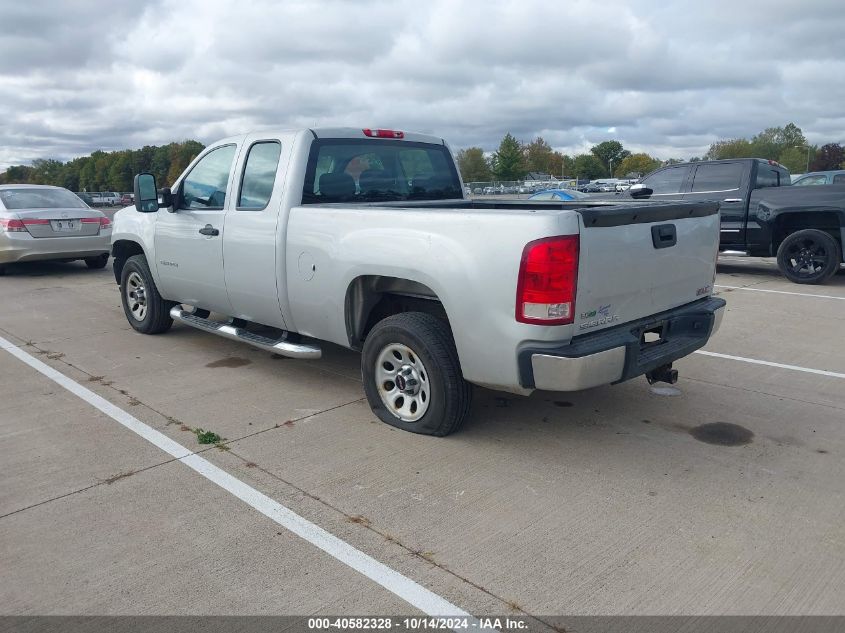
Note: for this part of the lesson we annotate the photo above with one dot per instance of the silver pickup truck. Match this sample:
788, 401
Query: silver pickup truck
363, 238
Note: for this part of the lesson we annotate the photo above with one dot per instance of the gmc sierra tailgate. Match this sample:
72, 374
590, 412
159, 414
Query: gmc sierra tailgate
639, 260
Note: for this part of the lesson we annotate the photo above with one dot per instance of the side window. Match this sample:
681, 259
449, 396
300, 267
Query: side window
259, 175
839, 179
811, 180
205, 187
667, 181
766, 177
543, 196
717, 177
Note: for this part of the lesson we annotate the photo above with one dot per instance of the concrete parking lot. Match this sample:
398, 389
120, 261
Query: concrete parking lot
725, 498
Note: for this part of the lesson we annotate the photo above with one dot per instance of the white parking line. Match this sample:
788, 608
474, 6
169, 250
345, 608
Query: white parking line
768, 363
414, 594
780, 292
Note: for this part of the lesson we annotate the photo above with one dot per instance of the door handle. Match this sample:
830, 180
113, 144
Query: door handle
209, 230
664, 236
732, 200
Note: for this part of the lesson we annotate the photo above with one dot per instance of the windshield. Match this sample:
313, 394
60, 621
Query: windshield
365, 170
40, 199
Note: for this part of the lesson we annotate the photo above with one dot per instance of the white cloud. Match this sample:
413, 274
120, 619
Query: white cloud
667, 78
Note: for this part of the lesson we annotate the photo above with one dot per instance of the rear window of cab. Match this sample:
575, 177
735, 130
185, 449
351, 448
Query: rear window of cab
365, 170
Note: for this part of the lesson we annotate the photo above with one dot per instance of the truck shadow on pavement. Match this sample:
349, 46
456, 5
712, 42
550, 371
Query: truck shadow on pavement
53, 268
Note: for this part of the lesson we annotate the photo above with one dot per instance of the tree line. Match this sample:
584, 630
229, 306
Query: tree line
107, 171
786, 145
513, 159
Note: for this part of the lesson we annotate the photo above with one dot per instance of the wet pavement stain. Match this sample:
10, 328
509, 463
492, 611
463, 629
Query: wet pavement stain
231, 361
722, 434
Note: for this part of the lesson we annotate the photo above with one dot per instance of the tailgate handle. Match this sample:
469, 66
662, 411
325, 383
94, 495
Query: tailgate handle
664, 235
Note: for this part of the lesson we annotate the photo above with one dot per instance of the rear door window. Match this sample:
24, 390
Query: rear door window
767, 177
839, 179
717, 178
259, 175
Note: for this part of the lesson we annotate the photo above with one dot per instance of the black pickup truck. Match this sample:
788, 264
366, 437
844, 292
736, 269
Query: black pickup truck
762, 215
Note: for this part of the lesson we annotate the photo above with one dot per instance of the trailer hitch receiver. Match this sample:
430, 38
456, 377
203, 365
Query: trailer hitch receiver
664, 373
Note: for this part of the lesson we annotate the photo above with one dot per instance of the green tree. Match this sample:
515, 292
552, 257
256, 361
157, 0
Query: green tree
733, 148
639, 164
47, 171
473, 165
796, 159
507, 161
17, 175
609, 152
120, 174
539, 156
588, 166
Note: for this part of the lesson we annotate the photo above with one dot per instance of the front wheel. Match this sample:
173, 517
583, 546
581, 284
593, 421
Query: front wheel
809, 256
412, 376
145, 309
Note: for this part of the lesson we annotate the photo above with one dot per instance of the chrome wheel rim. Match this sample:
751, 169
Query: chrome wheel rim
136, 296
403, 382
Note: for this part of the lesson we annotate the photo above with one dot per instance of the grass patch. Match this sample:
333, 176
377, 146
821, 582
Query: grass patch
207, 437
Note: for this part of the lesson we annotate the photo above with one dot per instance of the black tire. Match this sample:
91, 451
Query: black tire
428, 338
96, 263
2, 270
156, 316
809, 256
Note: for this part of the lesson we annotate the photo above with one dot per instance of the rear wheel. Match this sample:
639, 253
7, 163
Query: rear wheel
412, 376
95, 263
145, 309
809, 256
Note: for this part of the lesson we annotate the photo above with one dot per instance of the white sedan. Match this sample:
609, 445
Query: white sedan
39, 222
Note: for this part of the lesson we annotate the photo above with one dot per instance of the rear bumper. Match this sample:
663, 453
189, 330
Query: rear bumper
617, 354
22, 247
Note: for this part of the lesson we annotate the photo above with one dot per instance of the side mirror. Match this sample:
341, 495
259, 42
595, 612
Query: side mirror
640, 191
146, 194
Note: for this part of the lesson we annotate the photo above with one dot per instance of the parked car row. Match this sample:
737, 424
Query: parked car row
513, 189
106, 198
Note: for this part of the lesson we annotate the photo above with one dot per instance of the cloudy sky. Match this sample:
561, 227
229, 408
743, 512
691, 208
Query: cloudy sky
667, 77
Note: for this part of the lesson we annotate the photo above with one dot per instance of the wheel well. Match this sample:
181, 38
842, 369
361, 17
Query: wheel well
121, 251
371, 298
787, 223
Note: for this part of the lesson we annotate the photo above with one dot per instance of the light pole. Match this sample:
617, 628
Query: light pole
808, 155
610, 160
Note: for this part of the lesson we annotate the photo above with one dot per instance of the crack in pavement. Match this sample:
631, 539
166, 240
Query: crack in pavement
766, 393
364, 522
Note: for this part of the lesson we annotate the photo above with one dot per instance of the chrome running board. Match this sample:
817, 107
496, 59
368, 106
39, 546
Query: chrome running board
281, 346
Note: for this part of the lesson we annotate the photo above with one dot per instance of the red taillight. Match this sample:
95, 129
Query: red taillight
105, 222
548, 275
12, 226
35, 221
383, 133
